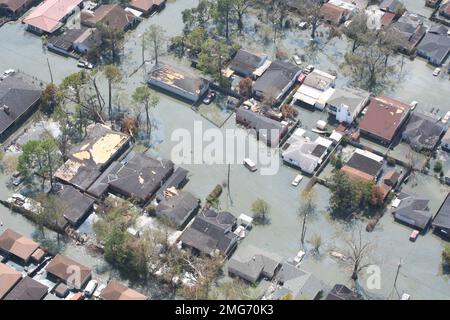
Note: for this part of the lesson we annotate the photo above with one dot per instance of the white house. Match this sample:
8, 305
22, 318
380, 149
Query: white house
315, 90
346, 103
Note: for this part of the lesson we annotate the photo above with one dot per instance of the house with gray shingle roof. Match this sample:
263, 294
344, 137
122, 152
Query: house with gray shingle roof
251, 264
423, 131
346, 103
413, 211
435, 46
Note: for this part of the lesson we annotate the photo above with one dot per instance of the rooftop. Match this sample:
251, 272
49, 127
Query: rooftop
384, 117
117, 291
351, 97
247, 62
413, 211
112, 15
17, 245
62, 267
178, 207
27, 289
423, 131
77, 205
8, 279
442, 218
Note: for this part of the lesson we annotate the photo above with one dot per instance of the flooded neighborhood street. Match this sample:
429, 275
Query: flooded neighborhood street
420, 273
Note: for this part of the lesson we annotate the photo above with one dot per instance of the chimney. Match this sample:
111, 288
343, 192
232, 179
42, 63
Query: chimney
6, 109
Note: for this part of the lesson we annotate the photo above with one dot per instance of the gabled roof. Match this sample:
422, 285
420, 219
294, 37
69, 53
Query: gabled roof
301, 284
178, 207
442, 218
18, 245
48, 15
14, 5
276, 78
145, 5
435, 45
63, 267
140, 176
117, 291
28, 289
112, 15
391, 5
76, 205
423, 131
351, 97
246, 61
332, 13
342, 292
16, 97
413, 211
384, 117
250, 263
211, 231
8, 279
365, 161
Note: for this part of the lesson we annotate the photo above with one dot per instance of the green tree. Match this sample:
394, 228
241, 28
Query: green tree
241, 8
437, 167
143, 96
39, 157
446, 258
51, 213
111, 42
260, 209
342, 193
51, 97
114, 76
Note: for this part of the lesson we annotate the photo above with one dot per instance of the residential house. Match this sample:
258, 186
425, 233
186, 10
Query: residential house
384, 119
176, 181
391, 178
19, 98
50, 15
359, 4
347, 103
363, 166
89, 158
177, 82
8, 279
333, 14
413, 211
267, 130
76, 206
316, 89
276, 81
296, 283
441, 222
74, 41
351, 6
211, 233
18, 247
435, 46
392, 6
342, 292
15, 8
376, 17
61, 268
147, 7
178, 207
136, 177
303, 153
116, 291
445, 142
251, 264
27, 289
444, 10
111, 15
410, 31
245, 63
423, 131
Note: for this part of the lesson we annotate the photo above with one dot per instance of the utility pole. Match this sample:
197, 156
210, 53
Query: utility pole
50, 71
398, 271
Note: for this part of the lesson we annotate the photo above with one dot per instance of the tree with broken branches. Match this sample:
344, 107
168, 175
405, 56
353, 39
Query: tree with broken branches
144, 97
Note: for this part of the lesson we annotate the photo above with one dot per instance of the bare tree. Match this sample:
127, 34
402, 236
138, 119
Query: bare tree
358, 254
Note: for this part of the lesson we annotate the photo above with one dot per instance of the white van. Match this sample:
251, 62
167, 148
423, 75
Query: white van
250, 165
90, 288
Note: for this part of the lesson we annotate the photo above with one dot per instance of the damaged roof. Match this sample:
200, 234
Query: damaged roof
178, 208
423, 131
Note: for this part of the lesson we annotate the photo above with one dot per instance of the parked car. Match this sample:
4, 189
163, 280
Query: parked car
7, 73
301, 78
298, 61
84, 64
90, 288
436, 72
250, 165
297, 180
209, 97
413, 236
308, 69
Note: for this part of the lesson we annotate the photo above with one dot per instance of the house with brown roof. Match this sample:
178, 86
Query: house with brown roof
111, 15
363, 166
19, 247
117, 291
147, 7
27, 289
384, 118
62, 268
8, 279
15, 8
333, 14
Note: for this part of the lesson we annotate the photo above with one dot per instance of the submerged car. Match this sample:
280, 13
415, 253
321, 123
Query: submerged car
209, 97
297, 180
84, 64
7, 73
436, 72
